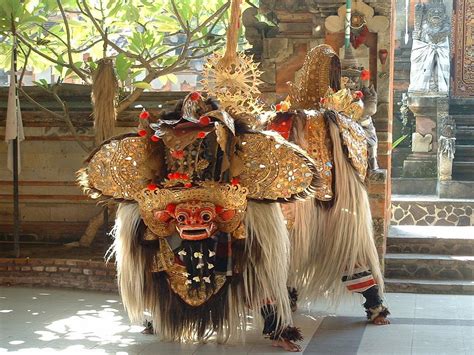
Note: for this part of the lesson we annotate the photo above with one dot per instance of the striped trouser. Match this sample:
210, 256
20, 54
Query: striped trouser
360, 281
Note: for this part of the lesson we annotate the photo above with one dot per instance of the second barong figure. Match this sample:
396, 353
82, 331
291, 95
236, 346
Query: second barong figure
333, 248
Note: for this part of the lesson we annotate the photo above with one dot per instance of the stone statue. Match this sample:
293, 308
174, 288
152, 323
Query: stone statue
430, 51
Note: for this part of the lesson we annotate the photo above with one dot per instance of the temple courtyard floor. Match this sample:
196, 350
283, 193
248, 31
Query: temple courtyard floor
57, 321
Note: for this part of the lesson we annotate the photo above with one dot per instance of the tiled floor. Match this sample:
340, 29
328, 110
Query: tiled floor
52, 321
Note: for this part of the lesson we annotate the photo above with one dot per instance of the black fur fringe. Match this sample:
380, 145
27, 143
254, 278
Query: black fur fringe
182, 319
291, 334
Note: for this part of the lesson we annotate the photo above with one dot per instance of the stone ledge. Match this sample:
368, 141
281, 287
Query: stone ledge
429, 286
67, 273
429, 266
431, 211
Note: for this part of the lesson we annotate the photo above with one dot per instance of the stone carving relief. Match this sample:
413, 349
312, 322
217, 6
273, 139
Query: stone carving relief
359, 9
463, 43
446, 146
421, 144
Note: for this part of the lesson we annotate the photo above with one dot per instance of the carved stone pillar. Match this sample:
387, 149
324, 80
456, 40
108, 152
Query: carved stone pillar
422, 162
446, 141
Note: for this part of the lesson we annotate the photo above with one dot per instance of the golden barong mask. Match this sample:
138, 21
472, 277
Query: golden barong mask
195, 220
163, 210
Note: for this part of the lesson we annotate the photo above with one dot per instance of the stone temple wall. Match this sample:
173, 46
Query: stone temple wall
52, 206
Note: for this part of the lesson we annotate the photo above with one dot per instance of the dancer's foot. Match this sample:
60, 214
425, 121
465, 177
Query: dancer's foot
148, 328
381, 320
287, 345
378, 315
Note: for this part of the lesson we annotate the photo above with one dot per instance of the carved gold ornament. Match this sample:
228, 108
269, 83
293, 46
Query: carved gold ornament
320, 149
274, 168
235, 85
343, 101
354, 139
119, 168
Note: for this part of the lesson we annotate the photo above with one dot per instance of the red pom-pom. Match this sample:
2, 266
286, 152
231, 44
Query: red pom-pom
278, 107
175, 176
142, 133
177, 154
194, 96
365, 75
201, 134
322, 100
359, 95
204, 120
151, 186
154, 138
188, 185
144, 115
184, 176
235, 181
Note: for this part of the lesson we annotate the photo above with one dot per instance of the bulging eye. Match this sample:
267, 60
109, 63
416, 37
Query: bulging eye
181, 218
206, 216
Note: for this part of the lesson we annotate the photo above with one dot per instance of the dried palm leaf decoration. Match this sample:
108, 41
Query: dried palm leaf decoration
104, 95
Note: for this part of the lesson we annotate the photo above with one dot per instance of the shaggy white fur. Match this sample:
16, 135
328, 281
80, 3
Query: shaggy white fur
328, 242
268, 250
130, 260
264, 276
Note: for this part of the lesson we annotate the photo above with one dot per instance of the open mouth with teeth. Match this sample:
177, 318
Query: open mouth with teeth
196, 232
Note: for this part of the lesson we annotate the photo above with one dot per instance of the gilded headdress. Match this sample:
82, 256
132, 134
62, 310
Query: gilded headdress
321, 71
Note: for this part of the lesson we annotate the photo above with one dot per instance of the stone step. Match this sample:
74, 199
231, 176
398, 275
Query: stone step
422, 186
431, 240
429, 210
457, 188
465, 134
429, 266
463, 170
464, 150
458, 287
463, 120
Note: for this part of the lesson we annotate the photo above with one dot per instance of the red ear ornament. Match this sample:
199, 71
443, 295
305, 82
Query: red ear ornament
225, 214
163, 216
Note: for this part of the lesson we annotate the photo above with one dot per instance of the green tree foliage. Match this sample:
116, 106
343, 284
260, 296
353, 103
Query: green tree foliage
148, 39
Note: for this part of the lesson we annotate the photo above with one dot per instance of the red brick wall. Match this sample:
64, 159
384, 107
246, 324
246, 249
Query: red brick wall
78, 274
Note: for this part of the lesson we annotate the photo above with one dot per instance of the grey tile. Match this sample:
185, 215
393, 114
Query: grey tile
160, 348
383, 349
425, 350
